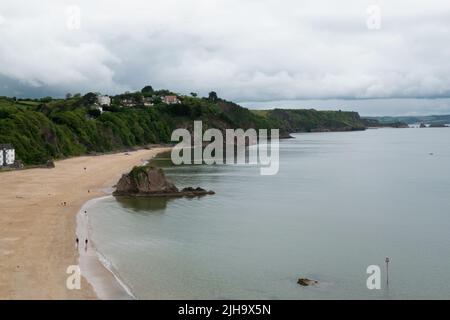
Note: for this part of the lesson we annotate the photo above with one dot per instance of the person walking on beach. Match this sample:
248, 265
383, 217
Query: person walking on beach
77, 241
85, 244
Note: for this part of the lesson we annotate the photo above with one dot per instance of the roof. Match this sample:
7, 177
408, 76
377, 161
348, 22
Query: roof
6, 146
171, 98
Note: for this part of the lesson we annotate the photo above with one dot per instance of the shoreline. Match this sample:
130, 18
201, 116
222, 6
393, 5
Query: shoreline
37, 231
95, 268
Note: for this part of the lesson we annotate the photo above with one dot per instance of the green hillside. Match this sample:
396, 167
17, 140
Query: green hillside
302, 120
43, 129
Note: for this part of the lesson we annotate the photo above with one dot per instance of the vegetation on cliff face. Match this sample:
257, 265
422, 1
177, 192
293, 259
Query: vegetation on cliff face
39, 135
42, 129
302, 120
374, 123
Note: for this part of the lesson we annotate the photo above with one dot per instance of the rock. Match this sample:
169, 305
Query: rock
49, 164
307, 282
196, 192
18, 164
144, 180
149, 181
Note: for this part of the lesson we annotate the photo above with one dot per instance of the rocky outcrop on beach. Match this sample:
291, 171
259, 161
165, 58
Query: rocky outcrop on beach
149, 181
307, 282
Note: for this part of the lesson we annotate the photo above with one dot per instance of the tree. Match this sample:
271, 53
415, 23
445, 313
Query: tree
138, 98
213, 96
68, 96
163, 92
147, 90
95, 113
89, 98
46, 99
194, 94
157, 100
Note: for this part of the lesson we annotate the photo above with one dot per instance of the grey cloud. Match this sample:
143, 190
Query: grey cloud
248, 51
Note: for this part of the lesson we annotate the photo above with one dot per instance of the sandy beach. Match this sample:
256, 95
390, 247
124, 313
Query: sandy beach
38, 232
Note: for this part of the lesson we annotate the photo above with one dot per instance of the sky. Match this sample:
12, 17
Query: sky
375, 57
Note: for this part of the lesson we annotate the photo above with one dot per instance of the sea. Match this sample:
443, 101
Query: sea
340, 204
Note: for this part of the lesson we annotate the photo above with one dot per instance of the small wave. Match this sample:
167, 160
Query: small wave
108, 266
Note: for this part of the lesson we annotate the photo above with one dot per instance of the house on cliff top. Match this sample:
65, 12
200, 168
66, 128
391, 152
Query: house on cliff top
171, 100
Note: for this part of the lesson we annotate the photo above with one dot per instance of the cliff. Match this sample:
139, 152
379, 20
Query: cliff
43, 129
303, 120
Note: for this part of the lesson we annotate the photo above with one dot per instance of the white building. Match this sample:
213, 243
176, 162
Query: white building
128, 103
148, 102
7, 155
171, 100
104, 100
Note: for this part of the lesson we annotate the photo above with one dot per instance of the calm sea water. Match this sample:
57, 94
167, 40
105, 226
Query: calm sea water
341, 202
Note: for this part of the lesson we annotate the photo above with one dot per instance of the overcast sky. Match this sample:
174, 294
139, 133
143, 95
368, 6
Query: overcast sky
261, 53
